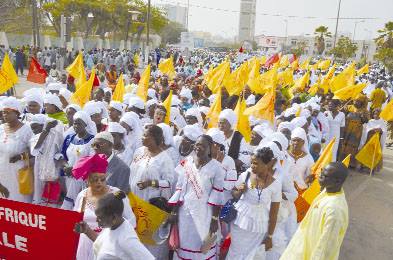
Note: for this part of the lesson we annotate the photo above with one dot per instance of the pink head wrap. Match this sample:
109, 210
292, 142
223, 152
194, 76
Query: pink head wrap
90, 164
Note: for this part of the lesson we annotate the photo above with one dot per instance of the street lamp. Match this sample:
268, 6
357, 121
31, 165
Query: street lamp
354, 29
133, 16
90, 18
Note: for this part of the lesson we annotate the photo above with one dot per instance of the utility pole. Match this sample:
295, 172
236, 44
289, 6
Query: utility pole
188, 11
34, 17
147, 32
338, 17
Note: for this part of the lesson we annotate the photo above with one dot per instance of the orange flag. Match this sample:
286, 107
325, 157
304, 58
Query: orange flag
37, 74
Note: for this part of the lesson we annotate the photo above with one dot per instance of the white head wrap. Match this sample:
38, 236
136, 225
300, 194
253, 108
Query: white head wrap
276, 151
90, 125
66, 94
186, 93
263, 131
136, 102
203, 109
217, 135
106, 136
126, 98
151, 93
34, 95
283, 125
54, 86
73, 106
53, 100
151, 102
212, 98
133, 121
38, 119
305, 113
168, 134
299, 121
250, 100
196, 113
115, 127
117, 105
230, 116
192, 132
92, 108
175, 101
279, 137
299, 132
315, 106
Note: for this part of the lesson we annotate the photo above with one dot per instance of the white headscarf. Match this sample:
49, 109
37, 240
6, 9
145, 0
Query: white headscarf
263, 131
168, 134
284, 125
299, 121
136, 102
73, 106
53, 100
279, 137
192, 132
90, 125
217, 135
38, 119
276, 151
34, 95
54, 86
11, 103
151, 93
117, 105
230, 116
185, 92
299, 132
196, 113
66, 94
151, 102
92, 108
115, 127
106, 136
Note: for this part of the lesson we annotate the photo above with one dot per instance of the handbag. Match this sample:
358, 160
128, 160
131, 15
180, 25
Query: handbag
174, 241
228, 212
25, 178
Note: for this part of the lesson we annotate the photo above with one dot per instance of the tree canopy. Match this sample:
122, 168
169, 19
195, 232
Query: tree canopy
344, 49
385, 46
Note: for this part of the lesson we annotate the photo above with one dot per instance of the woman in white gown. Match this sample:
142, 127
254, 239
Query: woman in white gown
14, 140
259, 194
92, 169
197, 202
336, 121
131, 122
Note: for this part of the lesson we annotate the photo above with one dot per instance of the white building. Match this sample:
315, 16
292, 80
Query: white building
247, 20
176, 13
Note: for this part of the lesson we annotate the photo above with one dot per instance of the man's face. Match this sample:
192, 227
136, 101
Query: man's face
327, 177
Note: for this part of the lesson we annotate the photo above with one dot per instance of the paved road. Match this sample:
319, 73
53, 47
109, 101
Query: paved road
370, 199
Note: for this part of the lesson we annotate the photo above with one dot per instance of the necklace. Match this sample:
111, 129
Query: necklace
296, 156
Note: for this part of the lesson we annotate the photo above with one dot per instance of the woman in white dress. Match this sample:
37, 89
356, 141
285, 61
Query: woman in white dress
336, 121
197, 202
259, 194
131, 122
120, 145
168, 144
14, 140
152, 173
118, 239
93, 169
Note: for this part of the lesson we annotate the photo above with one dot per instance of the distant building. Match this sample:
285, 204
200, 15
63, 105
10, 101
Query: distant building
176, 13
247, 20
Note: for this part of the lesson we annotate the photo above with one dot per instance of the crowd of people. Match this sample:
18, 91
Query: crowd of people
214, 184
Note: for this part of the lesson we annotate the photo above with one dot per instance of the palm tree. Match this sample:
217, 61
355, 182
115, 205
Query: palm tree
321, 32
385, 38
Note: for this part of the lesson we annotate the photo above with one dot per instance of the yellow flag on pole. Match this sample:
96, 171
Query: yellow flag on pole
267, 80
314, 88
167, 104
253, 74
243, 124
301, 83
119, 90
8, 76
344, 79
347, 160
387, 112
324, 65
295, 64
148, 217
214, 111
236, 81
218, 75
363, 70
136, 59
304, 65
83, 93
77, 70
371, 153
349, 92
143, 84
285, 78
264, 108
166, 67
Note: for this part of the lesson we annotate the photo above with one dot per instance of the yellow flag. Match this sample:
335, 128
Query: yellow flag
77, 70
284, 61
363, 70
254, 74
301, 83
167, 104
298, 112
237, 80
218, 75
325, 83
119, 90
349, 92
8, 76
166, 67
149, 218
347, 160
214, 111
83, 93
314, 88
324, 65
264, 108
267, 80
243, 124
262, 60
371, 153
143, 84
305, 63
387, 112
136, 59
295, 64
324, 159
344, 79
285, 78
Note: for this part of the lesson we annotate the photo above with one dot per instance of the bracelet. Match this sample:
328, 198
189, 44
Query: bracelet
214, 218
154, 184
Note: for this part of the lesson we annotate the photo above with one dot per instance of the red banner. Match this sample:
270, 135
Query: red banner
29, 231
36, 74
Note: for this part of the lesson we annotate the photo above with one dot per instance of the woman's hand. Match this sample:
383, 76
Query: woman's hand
50, 125
144, 184
309, 179
268, 241
81, 227
172, 219
15, 158
67, 170
4, 191
213, 226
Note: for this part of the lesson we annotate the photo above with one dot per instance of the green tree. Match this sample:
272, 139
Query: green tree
299, 49
344, 49
385, 46
321, 33
170, 34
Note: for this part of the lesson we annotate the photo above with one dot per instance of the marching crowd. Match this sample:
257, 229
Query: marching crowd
216, 185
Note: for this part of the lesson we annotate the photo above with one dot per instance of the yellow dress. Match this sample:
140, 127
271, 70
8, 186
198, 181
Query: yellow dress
320, 234
378, 96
